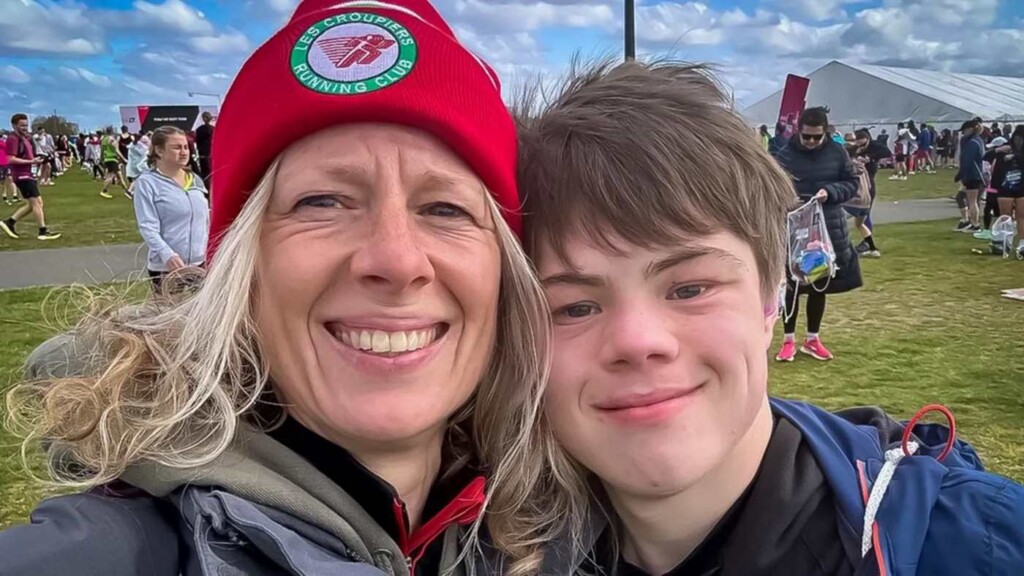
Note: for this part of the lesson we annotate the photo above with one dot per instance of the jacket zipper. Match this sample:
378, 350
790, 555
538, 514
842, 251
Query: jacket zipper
191, 224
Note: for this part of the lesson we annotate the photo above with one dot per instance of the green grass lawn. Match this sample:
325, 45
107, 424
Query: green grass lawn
920, 186
75, 209
929, 326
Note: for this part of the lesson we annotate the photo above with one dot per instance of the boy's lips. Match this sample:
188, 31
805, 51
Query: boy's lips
649, 407
642, 399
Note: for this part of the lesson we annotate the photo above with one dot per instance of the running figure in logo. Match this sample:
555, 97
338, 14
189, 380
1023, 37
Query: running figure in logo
348, 51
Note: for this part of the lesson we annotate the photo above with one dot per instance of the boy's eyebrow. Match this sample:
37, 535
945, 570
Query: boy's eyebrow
688, 253
573, 279
679, 256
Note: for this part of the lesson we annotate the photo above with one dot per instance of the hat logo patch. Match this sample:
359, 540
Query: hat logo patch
353, 53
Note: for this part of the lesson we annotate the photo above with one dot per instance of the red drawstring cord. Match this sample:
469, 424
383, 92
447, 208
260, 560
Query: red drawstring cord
921, 414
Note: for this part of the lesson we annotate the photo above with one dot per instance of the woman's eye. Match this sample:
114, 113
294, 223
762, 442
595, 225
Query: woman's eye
319, 202
577, 311
445, 210
686, 292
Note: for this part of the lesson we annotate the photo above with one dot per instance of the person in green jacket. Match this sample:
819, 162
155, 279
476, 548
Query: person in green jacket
112, 161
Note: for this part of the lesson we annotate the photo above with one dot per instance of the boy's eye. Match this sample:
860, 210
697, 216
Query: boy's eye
576, 311
686, 292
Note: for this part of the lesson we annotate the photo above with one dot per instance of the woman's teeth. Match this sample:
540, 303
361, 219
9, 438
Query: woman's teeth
380, 342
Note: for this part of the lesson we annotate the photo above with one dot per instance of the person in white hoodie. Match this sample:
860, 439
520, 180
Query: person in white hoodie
137, 164
170, 207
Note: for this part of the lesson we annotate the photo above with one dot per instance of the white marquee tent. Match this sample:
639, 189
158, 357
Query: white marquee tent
863, 95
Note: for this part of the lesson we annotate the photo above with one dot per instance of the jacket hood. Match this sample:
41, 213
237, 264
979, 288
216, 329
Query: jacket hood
259, 469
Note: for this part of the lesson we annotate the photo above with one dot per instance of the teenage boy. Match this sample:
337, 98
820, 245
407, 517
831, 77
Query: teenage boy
22, 158
662, 278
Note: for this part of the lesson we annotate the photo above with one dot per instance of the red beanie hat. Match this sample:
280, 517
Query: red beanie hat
340, 62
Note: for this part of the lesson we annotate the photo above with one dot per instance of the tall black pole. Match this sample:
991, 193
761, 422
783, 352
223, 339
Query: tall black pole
630, 31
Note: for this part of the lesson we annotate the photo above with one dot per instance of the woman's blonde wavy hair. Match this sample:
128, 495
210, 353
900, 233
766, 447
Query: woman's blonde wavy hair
168, 381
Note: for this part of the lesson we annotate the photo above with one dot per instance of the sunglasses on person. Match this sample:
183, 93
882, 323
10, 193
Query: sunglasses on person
811, 137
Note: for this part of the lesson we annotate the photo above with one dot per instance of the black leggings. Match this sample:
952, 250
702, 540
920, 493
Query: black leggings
815, 310
991, 209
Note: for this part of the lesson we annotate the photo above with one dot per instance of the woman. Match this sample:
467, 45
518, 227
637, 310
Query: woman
822, 172
901, 152
367, 345
1008, 165
93, 151
63, 149
138, 152
170, 207
766, 138
942, 148
6, 181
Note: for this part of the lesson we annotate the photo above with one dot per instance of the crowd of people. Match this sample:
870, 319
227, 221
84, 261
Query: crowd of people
826, 166
29, 161
450, 339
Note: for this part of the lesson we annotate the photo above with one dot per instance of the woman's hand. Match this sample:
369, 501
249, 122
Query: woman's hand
821, 196
174, 263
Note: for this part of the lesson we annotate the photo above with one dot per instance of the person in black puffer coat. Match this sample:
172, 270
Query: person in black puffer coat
822, 170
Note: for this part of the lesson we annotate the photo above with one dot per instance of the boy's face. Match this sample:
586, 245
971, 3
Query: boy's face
660, 363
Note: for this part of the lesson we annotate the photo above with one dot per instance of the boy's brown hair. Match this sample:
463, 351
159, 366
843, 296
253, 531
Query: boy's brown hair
649, 154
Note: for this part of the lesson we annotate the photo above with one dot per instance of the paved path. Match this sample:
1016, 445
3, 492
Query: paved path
914, 211
96, 264
88, 265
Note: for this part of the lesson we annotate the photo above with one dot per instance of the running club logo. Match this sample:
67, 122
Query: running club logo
353, 53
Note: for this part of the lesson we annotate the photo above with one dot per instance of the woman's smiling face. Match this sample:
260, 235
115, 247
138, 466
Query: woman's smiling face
378, 286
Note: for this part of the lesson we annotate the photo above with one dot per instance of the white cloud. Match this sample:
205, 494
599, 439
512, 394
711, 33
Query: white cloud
277, 6
790, 37
517, 48
86, 75
232, 41
677, 23
14, 74
737, 18
173, 15
527, 16
29, 28
817, 10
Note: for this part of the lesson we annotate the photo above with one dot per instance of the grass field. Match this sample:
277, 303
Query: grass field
929, 326
75, 209
920, 186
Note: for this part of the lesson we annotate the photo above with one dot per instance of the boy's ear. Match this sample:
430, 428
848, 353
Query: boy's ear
771, 316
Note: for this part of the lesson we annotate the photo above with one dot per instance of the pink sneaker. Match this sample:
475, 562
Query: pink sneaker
816, 349
788, 352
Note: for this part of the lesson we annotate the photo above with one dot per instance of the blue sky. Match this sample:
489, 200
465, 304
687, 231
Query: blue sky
83, 58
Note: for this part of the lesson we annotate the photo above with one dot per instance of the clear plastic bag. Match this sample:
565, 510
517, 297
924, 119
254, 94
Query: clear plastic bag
1003, 230
812, 259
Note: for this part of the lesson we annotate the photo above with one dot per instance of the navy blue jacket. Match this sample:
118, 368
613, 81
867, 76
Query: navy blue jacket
947, 518
972, 153
827, 167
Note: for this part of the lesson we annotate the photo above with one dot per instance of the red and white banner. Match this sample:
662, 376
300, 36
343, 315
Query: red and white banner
794, 99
